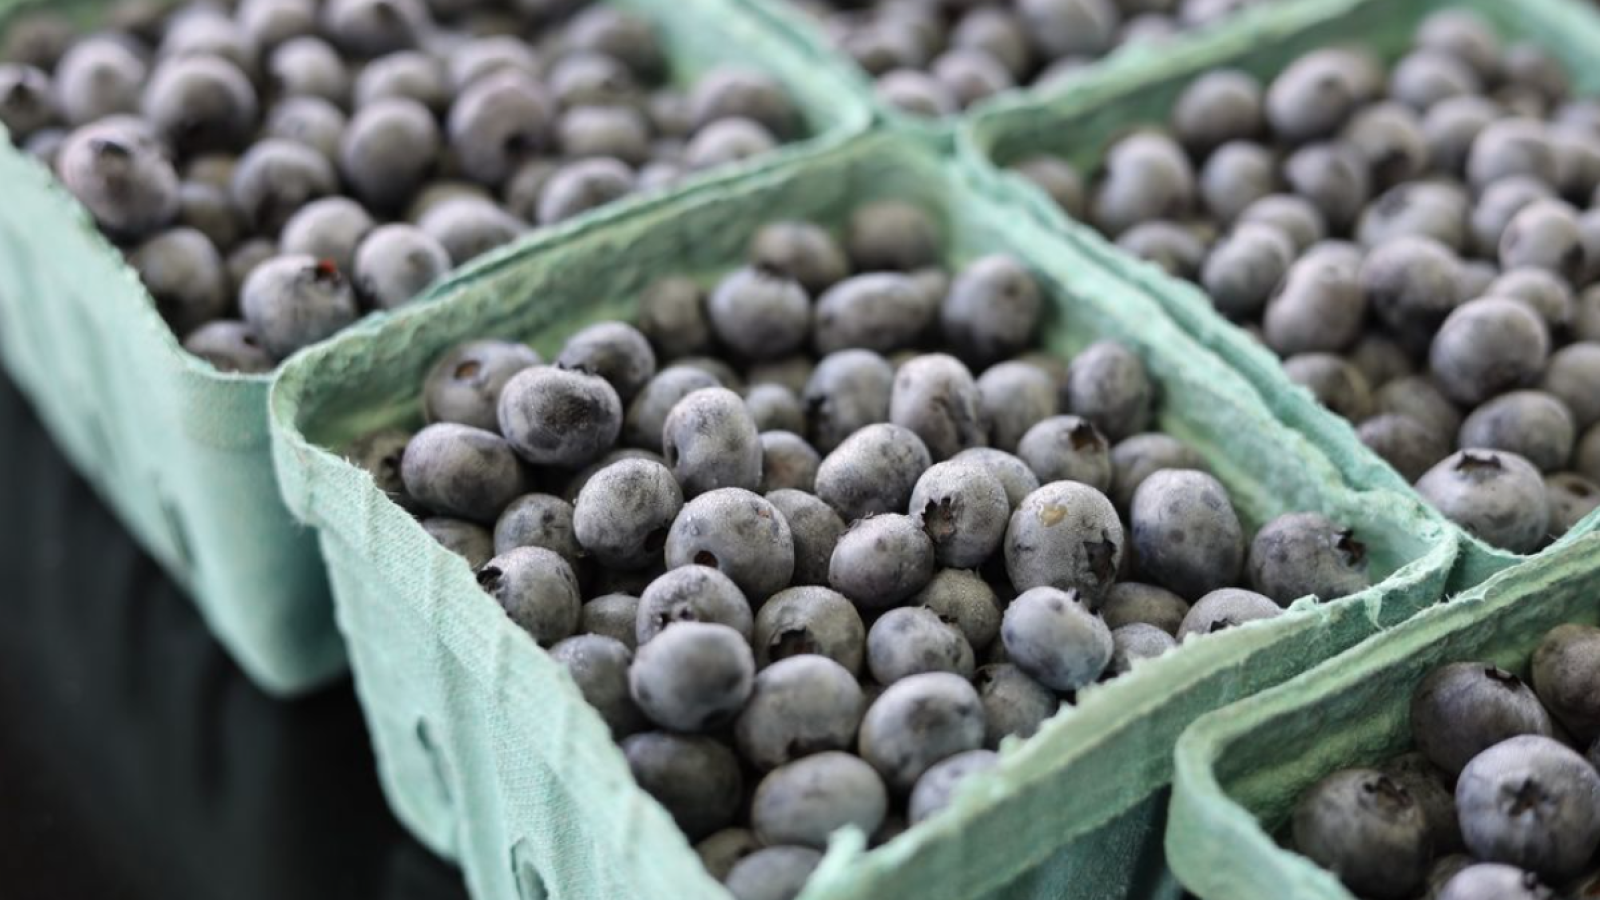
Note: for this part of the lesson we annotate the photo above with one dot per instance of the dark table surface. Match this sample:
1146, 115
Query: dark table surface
135, 760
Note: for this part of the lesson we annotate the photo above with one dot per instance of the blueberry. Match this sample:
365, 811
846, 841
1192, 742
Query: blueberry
247, 257
1319, 306
998, 33
1433, 790
498, 122
1541, 289
27, 104
881, 560
912, 640
726, 141
917, 722
522, 190
613, 616
892, 235
1134, 642
992, 310
1067, 448
1498, 203
1235, 175
1532, 424
295, 301
1511, 146
803, 802
1146, 176
1494, 881
1226, 608
1404, 443
1138, 457
801, 251
230, 346
1497, 496
1302, 554
395, 263
1416, 209
881, 311
971, 75
672, 315
710, 442
696, 778
1544, 234
208, 210
1220, 106
1527, 64
937, 786
693, 676
379, 454
537, 589
1451, 125
1107, 384
538, 520
963, 600
1315, 94
405, 74
1131, 603
96, 78
275, 177
374, 27
184, 273
615, 351
874, 471
1571, 375
624, 512
936, 398
580, 186
459, 471
465, 539
801, 621
201, 103
738, 532
1014, 475
122, 176
1186, 533
1294, 217
1572, 498
1333, 381
1464, 35
1174, 247
691, 594
1243, 268
1389, 137
1566, 668
1070, 27
388, 151
759, 314
577, 79
1368, 830
1426, 76
1463, 708
788, 462
1335, 176
815, 529
1013, 703
801, 705
772, 873
1057, 178
308, 67
37, 37
599, 666
1532, 802
1065, 535
917, 93
1419, 398
1052, 636
732, 92
720, 852
327, 229
847, 391
647, 414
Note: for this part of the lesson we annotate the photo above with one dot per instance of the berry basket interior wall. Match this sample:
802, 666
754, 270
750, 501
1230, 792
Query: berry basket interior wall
484, 743
1241, 769
180, 450
1080, 121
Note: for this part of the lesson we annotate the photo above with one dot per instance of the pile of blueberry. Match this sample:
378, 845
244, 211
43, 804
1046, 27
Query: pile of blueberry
273, 168
1494, 805
1421, 246
809, 568
937, 58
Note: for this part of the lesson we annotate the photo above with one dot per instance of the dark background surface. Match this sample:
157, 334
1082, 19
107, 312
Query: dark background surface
135, 760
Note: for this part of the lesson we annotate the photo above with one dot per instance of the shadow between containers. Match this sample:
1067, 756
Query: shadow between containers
1084, 117
180, 450
488, 751
1241, 769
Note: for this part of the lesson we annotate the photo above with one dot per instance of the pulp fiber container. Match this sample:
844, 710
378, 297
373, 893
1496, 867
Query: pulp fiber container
486, 749
1240, 770
1080, 121
180, 450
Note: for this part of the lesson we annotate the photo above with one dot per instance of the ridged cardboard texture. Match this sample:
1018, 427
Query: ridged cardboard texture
1081, 120
1241, 769
182, 451
487, 751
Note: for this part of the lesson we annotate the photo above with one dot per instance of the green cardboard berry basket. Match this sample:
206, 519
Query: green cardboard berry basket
486, 750
1241, 769
1080, 121
180, 450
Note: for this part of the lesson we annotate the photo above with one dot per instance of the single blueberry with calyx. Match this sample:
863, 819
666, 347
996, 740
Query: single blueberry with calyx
537, 589
1461, 709
1367, 829
807, 620
693, 676
691, 594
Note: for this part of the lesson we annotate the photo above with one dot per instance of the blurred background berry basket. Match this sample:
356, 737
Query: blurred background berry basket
181, 450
